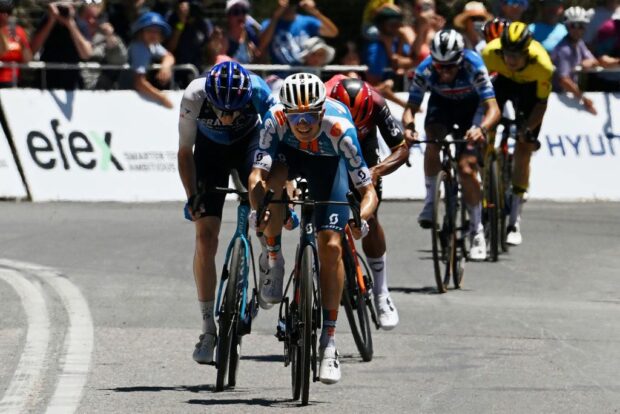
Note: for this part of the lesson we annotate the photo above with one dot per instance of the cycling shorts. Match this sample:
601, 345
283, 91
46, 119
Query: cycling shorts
214, 163
522, 95
327, 181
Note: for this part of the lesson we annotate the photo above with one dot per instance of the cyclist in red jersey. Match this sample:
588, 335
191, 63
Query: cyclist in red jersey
369, 111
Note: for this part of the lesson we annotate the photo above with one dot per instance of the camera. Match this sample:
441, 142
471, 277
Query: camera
63, 9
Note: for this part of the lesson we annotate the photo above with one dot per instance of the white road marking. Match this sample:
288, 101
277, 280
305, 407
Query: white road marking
28, 375
79, 341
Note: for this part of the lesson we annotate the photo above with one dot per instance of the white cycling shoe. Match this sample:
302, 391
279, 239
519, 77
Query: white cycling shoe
203, 353
386, 311
425, 219
478, 250
514, 237
329, 371
271, 283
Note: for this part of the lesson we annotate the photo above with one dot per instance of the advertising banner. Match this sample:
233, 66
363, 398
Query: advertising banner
578, 159
95, 146
11, 185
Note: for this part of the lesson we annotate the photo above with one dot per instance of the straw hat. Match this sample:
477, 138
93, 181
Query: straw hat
472, 9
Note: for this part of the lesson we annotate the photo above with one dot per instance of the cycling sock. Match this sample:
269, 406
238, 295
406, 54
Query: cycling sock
328, 332
517, 203
377, 266
475, 217
273, 249
430, 182
208, 322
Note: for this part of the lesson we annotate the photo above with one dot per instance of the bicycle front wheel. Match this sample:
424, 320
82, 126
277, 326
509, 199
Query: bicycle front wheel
228, 322
492, 212
442, 233
356, 310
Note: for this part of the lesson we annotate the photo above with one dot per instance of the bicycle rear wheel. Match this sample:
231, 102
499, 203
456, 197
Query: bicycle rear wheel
442, 233
491, 230
228, 322
355, 308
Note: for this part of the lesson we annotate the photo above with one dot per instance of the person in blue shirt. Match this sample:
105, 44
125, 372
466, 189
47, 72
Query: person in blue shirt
459, 83
313, 136
284, 34
219, 126
548, 29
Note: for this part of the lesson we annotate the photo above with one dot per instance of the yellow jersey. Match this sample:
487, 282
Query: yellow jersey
538, 69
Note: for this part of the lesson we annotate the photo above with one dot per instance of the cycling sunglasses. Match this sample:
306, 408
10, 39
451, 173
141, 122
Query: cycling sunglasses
581, 26
310, 118
444, 66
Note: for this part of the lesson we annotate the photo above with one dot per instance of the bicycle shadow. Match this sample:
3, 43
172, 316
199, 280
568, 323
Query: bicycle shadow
425, 290
280, 403
184, 388
263, 358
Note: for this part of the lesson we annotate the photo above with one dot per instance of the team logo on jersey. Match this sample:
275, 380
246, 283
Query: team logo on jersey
266, 134
333, 219
336, 130
350, 150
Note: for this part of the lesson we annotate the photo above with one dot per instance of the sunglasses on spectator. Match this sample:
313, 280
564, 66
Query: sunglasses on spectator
221, 113
581, 26
444, 66
238, 11
89, 2
310, 118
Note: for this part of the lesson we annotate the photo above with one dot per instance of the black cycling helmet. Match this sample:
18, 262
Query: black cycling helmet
6, 6
516, 38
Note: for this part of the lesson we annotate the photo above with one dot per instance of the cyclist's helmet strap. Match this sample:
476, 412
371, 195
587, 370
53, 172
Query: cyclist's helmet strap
447, 46
228, 86
303, 92
516, 38
494, 28
357, 96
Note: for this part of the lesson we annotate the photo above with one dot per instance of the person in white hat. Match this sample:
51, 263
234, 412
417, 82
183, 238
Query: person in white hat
470, 22
316, 52
607, 49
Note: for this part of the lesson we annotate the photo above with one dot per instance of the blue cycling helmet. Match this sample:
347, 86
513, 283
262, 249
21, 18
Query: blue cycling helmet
228, 86
151, 19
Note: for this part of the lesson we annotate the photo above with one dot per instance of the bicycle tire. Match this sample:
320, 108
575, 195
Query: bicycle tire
459, 247
493, 212
227, 322
295, 349
505, 183
441, 232
306, 298
356, 310
369, 282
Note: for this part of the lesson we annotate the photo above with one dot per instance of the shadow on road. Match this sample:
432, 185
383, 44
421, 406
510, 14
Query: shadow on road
280, 403
426, 290
263, 358
190, 388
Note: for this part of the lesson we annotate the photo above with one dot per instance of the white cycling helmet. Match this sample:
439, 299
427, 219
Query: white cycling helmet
303, 92
447, 46
577, 14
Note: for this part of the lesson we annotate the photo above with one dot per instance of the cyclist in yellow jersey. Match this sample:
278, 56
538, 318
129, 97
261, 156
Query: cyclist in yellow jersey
524, 71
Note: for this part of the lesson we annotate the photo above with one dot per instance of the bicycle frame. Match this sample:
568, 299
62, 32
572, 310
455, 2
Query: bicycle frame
358, 269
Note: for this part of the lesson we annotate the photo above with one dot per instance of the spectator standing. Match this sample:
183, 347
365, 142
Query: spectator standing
470, 22
216, 48
426, 22
548, 30
191, 31
146, 49
285, 32
59, 39
242, 35
513, 10
571, 52
382, 51
369, 30
607, 50
108, 48
602, 13
14, 46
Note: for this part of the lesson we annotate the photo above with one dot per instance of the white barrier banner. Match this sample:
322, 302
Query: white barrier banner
11, 185
95, 146
578, 158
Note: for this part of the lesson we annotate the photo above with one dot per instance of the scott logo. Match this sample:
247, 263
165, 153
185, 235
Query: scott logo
81, 148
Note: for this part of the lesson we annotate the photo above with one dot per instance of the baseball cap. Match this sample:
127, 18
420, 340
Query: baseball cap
232, 3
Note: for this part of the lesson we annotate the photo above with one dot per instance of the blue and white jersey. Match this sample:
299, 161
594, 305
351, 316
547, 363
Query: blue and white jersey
471, 79
337, 138
199, 121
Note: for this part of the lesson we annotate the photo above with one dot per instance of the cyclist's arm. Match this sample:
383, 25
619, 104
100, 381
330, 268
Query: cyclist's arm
398, 157
263, 160
189, 111
393, 137
409, 122
369, 203
492, 114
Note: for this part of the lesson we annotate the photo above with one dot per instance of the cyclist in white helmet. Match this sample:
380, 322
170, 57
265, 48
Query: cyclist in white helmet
313, 136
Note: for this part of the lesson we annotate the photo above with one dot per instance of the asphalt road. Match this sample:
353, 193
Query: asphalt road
109, 322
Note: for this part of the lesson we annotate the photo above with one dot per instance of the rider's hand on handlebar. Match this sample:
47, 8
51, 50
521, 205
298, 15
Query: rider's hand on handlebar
475, 134
359, 232
195, 205
411, 137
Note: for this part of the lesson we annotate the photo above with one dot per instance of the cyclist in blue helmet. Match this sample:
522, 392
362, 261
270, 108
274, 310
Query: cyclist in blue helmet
218, 131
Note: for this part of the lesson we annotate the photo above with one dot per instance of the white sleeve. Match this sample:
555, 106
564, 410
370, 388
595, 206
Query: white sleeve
193, 97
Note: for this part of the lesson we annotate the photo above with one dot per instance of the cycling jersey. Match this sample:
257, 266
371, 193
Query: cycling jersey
472, 79
539, 68
337, 138
198, 118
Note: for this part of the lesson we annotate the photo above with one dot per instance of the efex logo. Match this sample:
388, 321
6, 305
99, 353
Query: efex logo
85, 155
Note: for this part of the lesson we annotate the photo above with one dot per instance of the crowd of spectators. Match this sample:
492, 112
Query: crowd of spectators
393, 37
